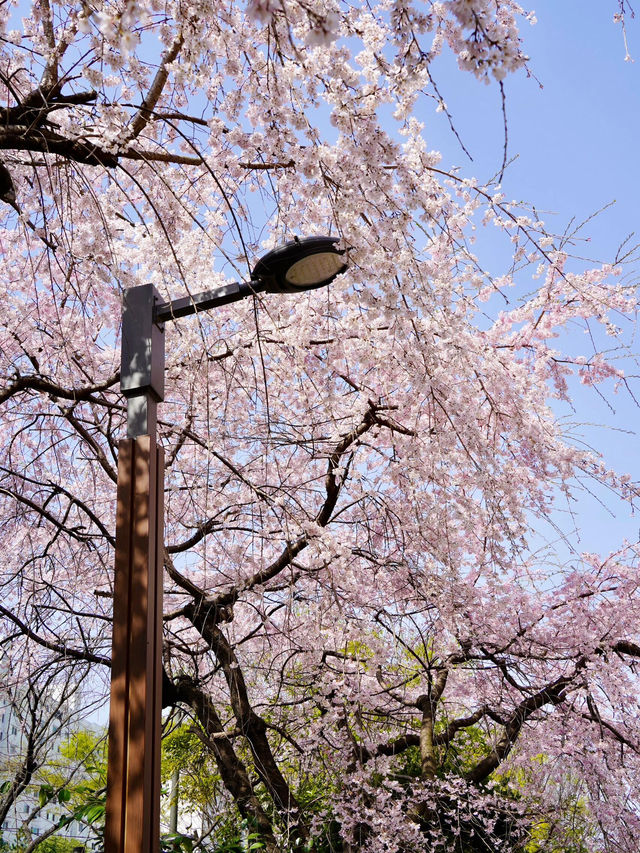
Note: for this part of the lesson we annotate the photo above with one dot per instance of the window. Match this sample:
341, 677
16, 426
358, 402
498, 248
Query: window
14, 730
35, 830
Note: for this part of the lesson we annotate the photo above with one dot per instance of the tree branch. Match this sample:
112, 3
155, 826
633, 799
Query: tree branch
47, 386
232, 770
250, 724
144, 114
48, 142
63, 650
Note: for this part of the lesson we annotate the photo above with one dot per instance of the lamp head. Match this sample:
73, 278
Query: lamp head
302, 264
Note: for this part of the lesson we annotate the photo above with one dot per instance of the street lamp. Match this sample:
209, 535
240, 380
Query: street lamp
132, 821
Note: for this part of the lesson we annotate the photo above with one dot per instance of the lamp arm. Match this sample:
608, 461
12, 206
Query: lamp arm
206, 300
142, 359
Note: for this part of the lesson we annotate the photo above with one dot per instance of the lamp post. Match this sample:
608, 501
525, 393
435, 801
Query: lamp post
132, 821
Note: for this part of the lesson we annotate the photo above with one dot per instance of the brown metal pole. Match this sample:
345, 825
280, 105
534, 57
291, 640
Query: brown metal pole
132, 820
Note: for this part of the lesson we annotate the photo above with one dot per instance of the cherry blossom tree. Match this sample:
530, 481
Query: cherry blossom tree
360, 618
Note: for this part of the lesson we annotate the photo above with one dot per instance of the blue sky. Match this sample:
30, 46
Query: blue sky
576, 135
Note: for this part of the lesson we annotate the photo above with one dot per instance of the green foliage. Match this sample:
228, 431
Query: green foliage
52, 844
56, 844
457, 758
47, 793
240, 841
569, 828
176, 842
77, 781
469, 746
314, 795
564, 828
184, 751
561, 836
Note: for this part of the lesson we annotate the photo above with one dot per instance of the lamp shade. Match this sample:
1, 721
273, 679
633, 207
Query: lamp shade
302, 264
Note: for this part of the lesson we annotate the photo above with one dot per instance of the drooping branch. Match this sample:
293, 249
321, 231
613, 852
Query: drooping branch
291, 550
83, 432
76, 532
596, 717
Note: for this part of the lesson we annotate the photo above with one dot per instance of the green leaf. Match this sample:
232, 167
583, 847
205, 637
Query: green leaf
45, 794
176, 842
90, 813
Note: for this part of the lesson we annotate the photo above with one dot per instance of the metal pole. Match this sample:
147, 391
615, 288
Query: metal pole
132, 820
174, 800
133, 775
